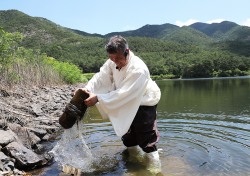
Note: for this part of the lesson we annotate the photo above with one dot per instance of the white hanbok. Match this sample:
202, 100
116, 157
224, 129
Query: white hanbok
121, 92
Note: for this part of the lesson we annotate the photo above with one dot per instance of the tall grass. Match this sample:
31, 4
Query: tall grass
26, 67
28, 70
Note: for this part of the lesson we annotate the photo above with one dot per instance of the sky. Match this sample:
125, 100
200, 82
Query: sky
106, 16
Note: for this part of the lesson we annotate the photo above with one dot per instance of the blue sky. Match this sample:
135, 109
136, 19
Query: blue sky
102, 17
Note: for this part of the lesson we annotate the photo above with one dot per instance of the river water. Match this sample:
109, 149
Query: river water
204, 126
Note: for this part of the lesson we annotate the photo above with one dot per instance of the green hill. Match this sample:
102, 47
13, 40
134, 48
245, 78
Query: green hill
152, 31
166, 48
215, 30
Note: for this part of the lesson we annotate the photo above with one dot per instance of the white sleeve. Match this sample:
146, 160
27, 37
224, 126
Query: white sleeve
101, 82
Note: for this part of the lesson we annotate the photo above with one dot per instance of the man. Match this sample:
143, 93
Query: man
124, 92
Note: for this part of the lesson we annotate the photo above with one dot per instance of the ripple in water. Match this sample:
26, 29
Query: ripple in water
193, 144
210, 144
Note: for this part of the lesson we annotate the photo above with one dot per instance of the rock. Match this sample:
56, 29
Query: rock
2, 157
6, 163
46, 137
25, 136
6, 137
37, 109
25, 158
39, 132
4, 93
29, 116
34, 139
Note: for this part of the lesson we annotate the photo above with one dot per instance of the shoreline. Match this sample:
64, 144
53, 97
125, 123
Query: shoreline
28, 119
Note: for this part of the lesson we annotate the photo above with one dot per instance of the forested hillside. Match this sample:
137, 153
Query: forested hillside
199, 50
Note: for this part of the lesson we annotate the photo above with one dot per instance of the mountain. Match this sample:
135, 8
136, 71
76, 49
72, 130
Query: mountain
214, 29
197, 34
84, 33
224, 31
37, 31
153, 31
239, 33
188, 35
167, 32
166, 48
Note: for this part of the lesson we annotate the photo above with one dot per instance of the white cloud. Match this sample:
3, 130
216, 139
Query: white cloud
246, 22
186, 23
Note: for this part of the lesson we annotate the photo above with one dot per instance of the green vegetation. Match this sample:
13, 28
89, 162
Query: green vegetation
49, 53
68, 71
188, 61
27, 67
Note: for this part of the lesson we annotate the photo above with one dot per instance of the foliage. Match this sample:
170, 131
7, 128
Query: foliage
29, 67
215, 30
200, 50
8, 47
68, 71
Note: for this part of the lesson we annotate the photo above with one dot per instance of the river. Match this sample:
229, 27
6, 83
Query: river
204, 126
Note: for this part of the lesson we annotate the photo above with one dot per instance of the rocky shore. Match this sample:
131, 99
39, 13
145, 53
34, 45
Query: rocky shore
28, 117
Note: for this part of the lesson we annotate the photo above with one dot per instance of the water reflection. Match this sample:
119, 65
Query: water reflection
209, 96
204, 125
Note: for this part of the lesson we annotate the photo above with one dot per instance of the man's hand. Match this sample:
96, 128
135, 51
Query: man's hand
92, 100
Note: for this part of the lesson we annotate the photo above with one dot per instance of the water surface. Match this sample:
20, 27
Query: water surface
204, 125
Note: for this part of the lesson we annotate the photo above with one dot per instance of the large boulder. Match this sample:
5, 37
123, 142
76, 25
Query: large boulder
25, 158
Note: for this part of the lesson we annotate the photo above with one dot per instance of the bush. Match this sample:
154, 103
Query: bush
71, 73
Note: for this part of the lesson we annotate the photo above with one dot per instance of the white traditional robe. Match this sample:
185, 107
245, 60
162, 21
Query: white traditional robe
121, 92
